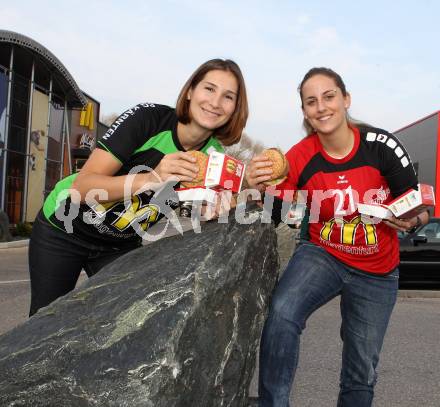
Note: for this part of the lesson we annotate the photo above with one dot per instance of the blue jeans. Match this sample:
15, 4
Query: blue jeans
312, 278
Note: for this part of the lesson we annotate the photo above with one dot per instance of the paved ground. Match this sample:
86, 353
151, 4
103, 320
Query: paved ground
409, 373
14, 276
14, 287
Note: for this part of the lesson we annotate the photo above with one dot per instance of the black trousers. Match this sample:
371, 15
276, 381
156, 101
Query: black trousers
56, 259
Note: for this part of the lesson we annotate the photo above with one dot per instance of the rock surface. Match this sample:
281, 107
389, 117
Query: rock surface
5, 235
174, 323
286, 243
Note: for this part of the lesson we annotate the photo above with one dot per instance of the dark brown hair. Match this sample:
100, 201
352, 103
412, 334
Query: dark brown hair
230, 132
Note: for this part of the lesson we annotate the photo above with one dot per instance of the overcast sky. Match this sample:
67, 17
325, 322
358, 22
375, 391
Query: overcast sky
123, 53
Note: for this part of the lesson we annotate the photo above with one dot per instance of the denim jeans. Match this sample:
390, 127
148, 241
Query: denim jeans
312, 278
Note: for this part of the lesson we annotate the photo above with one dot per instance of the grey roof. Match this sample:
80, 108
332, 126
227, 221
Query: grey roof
75, 97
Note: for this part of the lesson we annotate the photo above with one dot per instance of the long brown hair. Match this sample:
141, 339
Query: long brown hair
231, 131
338, 82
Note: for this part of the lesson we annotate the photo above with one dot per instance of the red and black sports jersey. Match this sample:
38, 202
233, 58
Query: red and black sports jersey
377, 169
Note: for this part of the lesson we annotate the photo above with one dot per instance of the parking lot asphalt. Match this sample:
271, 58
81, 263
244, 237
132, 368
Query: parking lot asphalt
409, 371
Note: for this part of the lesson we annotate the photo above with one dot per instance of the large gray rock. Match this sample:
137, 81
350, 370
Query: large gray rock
174, 323
286, 238
5, 234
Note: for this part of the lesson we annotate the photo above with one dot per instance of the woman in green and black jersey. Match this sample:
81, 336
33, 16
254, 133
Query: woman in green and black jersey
86, 223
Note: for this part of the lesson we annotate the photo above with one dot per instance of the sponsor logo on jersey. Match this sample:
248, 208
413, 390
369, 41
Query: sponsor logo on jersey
353, 232
342, 180
135, 212
124, 116
381, 195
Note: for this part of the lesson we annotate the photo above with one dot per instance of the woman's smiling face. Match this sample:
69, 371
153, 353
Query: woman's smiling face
324, 105
213, 99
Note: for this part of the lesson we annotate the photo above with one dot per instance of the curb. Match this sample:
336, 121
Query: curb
14, 244
418, 294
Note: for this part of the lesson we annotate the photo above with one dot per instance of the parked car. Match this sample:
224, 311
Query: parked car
420, 255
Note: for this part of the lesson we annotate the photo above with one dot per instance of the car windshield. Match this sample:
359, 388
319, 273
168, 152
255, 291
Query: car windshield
401, 234
430, 230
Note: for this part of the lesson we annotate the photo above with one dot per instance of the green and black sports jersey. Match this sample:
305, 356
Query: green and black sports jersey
138, 139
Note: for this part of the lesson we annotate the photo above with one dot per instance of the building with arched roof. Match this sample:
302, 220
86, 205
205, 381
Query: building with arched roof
47, 124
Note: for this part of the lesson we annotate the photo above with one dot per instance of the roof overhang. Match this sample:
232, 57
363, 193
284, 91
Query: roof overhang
71, 91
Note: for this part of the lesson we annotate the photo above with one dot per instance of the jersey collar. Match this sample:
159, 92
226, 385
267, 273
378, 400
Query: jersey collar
349, 156
177, 142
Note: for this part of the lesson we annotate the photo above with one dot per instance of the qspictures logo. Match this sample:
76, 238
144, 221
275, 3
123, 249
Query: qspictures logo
142, 208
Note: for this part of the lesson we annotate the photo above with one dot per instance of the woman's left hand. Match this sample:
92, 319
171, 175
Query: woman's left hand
400, 224
405, 225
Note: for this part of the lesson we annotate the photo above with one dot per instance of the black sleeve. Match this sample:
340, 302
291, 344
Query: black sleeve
129, 131
396, 166
277, 211
275, 208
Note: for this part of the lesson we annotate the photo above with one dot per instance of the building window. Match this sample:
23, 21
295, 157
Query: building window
3, 103
5, 55
17, 143
37, 154
54, 146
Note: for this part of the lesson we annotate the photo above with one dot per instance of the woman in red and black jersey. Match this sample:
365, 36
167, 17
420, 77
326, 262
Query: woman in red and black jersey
339, 164
95, 216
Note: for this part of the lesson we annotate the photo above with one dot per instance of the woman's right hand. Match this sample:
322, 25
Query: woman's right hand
179, 166
258, 171
99, 172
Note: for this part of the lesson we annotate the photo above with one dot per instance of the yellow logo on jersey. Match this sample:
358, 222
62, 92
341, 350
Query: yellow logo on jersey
130, 214
348, 230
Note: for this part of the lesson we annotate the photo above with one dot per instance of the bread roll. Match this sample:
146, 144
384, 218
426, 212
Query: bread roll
280, 165
202, 161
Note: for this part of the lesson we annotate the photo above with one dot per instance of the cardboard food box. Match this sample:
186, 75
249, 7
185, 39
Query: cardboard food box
224, 172
376, 210
405, 206
197, 194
